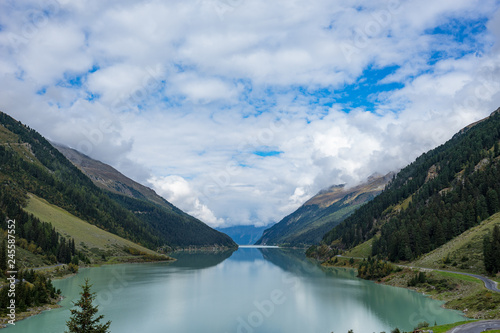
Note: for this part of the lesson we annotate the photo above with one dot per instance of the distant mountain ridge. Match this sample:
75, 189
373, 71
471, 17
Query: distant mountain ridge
329, 207
244, 234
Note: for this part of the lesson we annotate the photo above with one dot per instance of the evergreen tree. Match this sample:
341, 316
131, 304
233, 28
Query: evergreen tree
3, 257
488, 262
82, 321
495, 249
491, 251
492, 200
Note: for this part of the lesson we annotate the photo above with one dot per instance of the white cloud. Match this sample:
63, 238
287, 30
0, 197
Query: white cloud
177, 189
188, 94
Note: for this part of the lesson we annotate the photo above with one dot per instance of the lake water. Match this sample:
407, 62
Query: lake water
251, 290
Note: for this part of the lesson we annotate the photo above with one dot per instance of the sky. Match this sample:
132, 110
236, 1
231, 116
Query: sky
238, 111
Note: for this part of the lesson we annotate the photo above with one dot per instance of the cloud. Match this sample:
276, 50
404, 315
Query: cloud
239, 111
177, 189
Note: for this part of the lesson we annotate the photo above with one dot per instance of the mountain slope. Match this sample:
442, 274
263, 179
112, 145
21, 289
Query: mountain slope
177, 228
464, 252
321, 213
445, 192
110, 179
30, 164
91, 240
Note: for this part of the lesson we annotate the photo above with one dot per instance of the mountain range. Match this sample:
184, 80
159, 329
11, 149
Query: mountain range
442, 194
35, 175
325, 210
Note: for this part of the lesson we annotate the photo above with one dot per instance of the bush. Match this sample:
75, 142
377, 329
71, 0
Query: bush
423, 324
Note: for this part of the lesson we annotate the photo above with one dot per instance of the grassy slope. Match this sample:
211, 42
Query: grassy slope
88, 238
446, 328
318, 224
457, 291
363, 250
465, 252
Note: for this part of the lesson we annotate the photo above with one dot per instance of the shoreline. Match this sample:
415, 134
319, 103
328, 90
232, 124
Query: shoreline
47, 307
464, 289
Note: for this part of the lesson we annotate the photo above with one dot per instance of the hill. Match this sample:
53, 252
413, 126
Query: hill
462, 253
110, 179
322, 212
177, 228
444, 193
30, 165
92, 241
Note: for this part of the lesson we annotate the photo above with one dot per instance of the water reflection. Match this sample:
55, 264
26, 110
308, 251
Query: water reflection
250, 290
200, 260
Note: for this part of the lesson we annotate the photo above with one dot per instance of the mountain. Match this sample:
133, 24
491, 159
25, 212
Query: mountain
244, 234
439, 196
464, 252
178, 228
312, 220
29, 164
110, 179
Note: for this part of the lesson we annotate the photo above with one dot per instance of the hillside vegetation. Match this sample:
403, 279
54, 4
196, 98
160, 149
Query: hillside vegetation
176, 228
30, 164
443, 193
89, 239
464, 252
311, 221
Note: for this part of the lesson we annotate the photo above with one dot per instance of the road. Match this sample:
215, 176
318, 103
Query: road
477, 327
489, 284
46, 267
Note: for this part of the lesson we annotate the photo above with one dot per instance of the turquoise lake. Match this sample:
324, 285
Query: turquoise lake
266, 290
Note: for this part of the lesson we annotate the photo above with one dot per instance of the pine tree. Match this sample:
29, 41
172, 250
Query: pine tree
3, 257
495, 249
489, 263
82, 321
492, 201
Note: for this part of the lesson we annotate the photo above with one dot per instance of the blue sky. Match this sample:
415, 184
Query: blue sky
238, 112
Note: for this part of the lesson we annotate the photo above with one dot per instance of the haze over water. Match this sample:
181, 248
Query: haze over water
251, 290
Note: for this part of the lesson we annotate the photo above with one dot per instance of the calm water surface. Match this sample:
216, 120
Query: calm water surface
250, 290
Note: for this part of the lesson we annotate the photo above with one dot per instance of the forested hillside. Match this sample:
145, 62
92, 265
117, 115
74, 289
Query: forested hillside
443, 193
30, 164
177, 228
328, 208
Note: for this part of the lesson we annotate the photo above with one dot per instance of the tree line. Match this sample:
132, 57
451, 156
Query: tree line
34, 235
31, 289
51, 176
491, 250
419, 211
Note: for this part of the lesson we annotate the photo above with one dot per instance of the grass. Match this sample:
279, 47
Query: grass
447, 327
463, 293
460, 277
26, 259
484, 304
90, 239
465, 252
363, 250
